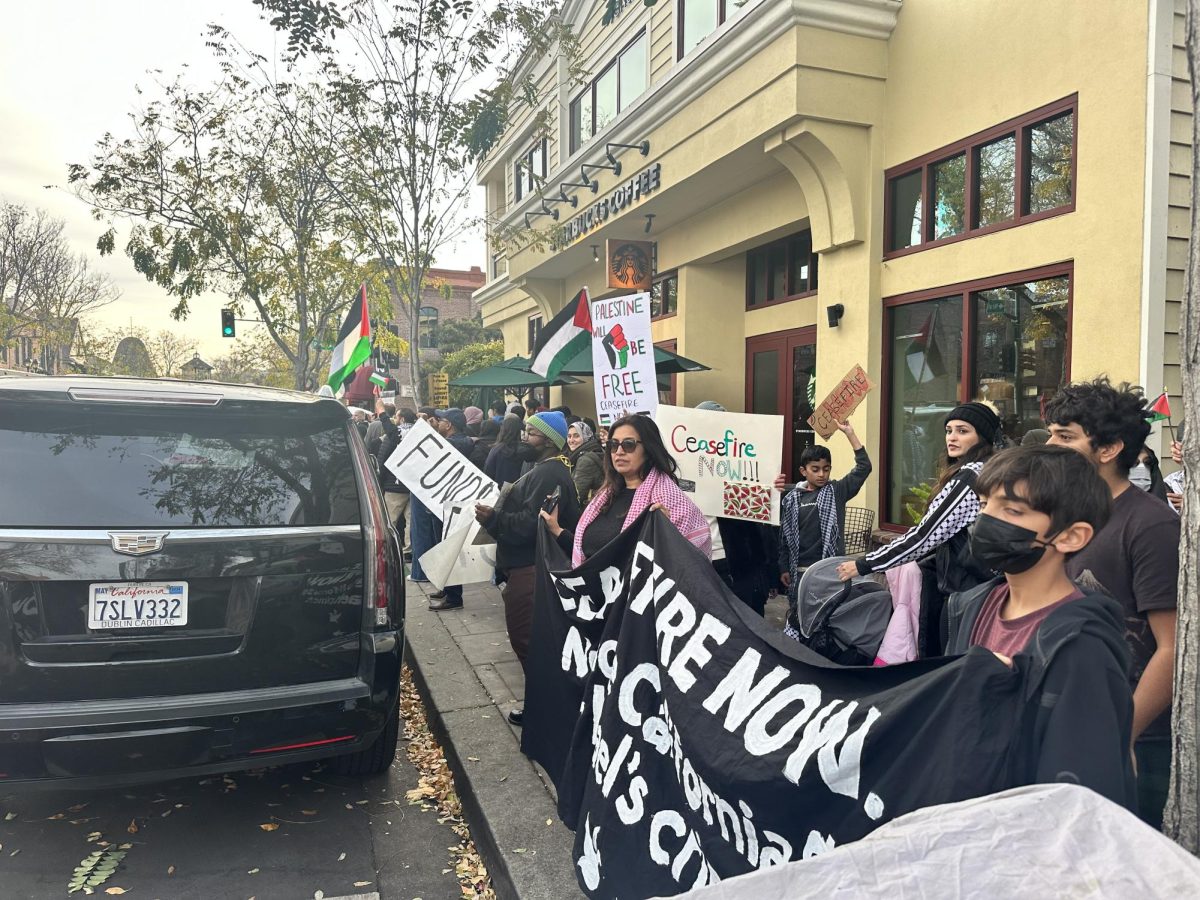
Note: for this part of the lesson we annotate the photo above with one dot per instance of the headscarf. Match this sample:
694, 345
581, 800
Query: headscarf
474, 415
657, 488
584, 432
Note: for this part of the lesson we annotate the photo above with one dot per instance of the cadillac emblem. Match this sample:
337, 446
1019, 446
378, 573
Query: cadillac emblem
137, 543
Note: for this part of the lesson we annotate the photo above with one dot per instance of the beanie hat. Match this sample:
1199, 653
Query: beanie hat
981, 416
711, 405
473, 414
552, 425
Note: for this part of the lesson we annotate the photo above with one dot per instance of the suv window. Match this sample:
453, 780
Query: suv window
124, 468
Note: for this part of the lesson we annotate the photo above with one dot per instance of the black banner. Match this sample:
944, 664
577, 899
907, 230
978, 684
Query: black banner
691, 742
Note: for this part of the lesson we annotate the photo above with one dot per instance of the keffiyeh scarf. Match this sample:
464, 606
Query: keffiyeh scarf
657, 488
831, 538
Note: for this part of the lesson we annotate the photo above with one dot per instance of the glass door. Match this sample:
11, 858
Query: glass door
781, 380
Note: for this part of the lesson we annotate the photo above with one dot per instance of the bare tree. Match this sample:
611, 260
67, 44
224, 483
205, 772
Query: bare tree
1181, 819
169, 351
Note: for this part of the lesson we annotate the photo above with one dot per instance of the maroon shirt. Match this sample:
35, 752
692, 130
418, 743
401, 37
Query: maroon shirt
1010, 636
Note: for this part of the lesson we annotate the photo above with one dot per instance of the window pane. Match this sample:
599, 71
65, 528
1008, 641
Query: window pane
949, 196
804, 400
756, 277
663, 296
1020, 349
699, 21
926, 369
1049, 151
764, 395
799, 251
995, 177
777, 262
606, 97
633, 71
906, 210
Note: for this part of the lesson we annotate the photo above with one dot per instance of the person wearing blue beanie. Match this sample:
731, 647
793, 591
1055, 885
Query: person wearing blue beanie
552, 425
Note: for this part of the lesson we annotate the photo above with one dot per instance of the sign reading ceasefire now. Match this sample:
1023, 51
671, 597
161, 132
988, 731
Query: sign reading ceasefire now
841, 402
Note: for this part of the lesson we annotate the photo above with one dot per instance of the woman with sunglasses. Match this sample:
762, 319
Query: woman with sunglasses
639, 474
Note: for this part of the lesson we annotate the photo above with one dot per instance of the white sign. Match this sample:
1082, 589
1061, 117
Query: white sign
623, 357
437, 474
727, 461
458, 559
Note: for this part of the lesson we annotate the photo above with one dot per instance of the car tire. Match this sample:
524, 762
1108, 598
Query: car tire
375, 759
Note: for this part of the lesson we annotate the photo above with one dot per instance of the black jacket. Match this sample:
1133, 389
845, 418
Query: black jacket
514, 523
844, 489
1078, 713
391, 440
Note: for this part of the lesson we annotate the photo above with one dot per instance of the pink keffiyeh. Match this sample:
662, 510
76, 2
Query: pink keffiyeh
657, 488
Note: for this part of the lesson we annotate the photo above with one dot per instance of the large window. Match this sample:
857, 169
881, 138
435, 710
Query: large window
620, 83
1004, 340
1016, 172
427, 337
534, 332
697, 20
664, 296
782, 270
529, 171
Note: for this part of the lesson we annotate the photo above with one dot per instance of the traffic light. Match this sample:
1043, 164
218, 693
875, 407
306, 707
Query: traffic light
227, 329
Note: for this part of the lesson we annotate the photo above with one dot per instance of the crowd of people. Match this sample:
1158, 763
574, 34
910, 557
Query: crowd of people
1064, 548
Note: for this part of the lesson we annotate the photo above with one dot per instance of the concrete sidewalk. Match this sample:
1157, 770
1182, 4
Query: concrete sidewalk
470, 678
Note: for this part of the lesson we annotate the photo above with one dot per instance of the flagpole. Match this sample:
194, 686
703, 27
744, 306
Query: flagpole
1169, 425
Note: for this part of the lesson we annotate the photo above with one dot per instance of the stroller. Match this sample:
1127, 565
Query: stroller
842, 620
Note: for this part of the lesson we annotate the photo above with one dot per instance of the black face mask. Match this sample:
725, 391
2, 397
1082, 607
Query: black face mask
1004, 547
526, 452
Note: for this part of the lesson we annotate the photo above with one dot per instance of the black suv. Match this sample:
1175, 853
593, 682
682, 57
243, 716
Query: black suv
194, 578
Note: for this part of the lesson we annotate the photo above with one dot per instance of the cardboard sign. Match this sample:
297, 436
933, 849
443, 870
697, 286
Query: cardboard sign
623, 357
630, 264
727, 461
841, 402
437, 474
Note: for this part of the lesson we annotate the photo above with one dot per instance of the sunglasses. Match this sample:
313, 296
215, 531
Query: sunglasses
628, 445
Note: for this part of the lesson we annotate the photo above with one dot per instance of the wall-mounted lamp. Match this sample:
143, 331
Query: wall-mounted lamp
649, 222
834, 314
614, 165
595, 253
642, 148
562, 196
591, 185
560, 199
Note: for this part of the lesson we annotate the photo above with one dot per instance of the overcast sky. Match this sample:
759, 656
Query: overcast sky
67, 74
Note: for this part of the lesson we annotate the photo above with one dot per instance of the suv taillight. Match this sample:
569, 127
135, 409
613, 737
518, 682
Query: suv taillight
376, 533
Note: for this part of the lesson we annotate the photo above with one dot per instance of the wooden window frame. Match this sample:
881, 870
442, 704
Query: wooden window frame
1020, 128
963, 289
789, 286
539, 145
574, 141
674, 273
679, 14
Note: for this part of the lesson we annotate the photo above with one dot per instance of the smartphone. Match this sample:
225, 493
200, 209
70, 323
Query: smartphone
551, 503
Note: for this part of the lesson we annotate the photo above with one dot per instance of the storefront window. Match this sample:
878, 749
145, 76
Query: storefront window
1016, 359
781, 270
938, 181
949, 196
664, 296
995, 181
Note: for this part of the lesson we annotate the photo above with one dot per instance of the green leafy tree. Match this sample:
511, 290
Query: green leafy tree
466, 360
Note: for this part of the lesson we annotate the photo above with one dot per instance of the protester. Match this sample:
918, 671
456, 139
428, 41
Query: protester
812, 516
517, 410
1175, 481
1034, 437
359, 417
972, 433
514, 522
639, 474
474, 417
1147, 475
1134, 558
426, 530
587, 460
498, 409
1042, 505
503, 463
452, 423
533, 405
395, 494
488, 431
375, 429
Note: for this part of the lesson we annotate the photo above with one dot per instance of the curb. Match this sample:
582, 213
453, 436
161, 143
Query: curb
504, 800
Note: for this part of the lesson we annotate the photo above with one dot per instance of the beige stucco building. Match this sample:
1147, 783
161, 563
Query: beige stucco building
996, 194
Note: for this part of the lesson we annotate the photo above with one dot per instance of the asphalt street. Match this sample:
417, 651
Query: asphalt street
204, 838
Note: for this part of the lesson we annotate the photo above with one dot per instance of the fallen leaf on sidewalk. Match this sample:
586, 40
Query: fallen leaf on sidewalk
361, 883
8, 817
308, 812
114, 890
253, 872
170, 870
132, 827
269, 826
473, 758
341, 857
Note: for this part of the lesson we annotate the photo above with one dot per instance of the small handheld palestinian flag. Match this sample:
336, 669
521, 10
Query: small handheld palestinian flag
378, 379
353, 346
563, 338
1160, 409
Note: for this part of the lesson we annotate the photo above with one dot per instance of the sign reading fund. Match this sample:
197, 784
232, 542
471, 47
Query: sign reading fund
623, 358
727, 461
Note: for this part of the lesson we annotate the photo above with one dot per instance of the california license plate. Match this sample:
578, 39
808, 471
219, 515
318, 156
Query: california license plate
150, 604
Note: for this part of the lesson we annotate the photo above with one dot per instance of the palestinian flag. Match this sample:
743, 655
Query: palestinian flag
923, 358
353, 343
1160, 409
378, 379
566, 335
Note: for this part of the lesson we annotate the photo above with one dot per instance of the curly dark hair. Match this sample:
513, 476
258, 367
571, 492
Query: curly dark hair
657, 456
1107, 414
